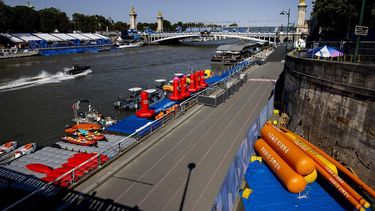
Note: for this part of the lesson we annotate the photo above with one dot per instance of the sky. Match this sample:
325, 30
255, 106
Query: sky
224, 12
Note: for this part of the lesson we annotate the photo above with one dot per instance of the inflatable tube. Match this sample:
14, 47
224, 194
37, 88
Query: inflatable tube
342, 168
338, 179
294, 182
292, 154
341, 189
319, 156
311, 177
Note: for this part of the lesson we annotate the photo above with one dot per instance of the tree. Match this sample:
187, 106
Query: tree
233, 24
25, 20
52, 18
6, 18
334, 19
120, 26
167, 26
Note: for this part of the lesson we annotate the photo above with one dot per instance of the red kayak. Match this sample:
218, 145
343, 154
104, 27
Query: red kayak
79, 141
84, 126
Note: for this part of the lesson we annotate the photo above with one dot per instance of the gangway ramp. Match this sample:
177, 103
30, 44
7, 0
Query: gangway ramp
157, 178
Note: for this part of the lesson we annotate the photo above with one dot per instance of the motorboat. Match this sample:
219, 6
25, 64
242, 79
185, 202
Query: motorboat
25, 149
130, 45
7, 147
76, 69
132, 102
92, 116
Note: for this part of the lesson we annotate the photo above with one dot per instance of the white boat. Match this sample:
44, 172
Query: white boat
17, 53
130, 45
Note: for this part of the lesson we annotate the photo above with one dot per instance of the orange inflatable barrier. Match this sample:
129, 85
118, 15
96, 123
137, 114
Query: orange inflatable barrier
342, 168
294, 182
332, 174
315, 153
292, 154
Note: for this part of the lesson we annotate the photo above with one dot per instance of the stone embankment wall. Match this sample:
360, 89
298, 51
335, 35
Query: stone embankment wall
333, 105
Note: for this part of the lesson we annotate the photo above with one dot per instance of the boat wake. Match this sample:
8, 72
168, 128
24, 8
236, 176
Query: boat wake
41, 79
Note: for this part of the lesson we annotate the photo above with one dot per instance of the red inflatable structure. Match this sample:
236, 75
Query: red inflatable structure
192, 86
145, 111
184, 92
175, 96
202, 83
197, 81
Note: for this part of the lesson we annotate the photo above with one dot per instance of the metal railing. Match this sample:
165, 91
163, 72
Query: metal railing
94, 163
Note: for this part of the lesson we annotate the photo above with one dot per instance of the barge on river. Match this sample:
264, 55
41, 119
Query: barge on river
47, 44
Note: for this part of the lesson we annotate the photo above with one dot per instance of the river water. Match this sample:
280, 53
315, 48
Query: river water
36, 96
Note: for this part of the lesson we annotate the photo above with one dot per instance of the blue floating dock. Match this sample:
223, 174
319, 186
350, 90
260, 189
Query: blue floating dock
131, 124
269, 193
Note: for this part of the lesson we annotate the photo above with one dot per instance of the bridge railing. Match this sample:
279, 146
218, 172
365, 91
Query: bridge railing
101, 158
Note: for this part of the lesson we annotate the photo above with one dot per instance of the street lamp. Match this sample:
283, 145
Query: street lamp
287, 27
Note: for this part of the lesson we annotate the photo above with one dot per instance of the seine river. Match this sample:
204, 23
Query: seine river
36, 96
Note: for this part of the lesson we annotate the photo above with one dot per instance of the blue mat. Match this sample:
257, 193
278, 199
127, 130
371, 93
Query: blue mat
269, 194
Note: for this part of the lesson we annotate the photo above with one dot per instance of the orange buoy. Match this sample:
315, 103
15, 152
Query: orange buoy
294, 182
292, 154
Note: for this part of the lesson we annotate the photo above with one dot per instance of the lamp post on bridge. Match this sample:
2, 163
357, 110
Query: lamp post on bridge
287, 27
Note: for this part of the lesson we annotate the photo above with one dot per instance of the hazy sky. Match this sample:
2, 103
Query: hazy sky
244, 12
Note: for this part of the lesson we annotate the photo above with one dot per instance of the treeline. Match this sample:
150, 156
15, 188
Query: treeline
27, 19
24, 19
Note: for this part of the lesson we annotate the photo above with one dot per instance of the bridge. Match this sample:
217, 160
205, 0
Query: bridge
158, 38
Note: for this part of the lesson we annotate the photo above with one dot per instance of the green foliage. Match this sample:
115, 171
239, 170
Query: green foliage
20, 19
337, 18
53, 19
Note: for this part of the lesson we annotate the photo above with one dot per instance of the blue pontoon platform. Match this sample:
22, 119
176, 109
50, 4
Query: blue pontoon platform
269, 194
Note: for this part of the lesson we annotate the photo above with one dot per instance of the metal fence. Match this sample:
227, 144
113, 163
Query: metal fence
94, 163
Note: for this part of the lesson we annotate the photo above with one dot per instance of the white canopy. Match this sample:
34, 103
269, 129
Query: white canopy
47, 37
27, 37
12, 38
63, 36
78, 36
91, 36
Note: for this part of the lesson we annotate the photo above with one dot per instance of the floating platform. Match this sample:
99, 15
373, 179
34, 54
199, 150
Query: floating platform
269, 194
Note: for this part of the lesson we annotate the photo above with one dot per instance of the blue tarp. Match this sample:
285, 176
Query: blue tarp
128, 125
269, 194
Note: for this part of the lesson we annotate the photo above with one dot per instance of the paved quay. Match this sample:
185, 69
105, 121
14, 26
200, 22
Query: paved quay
156, 178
